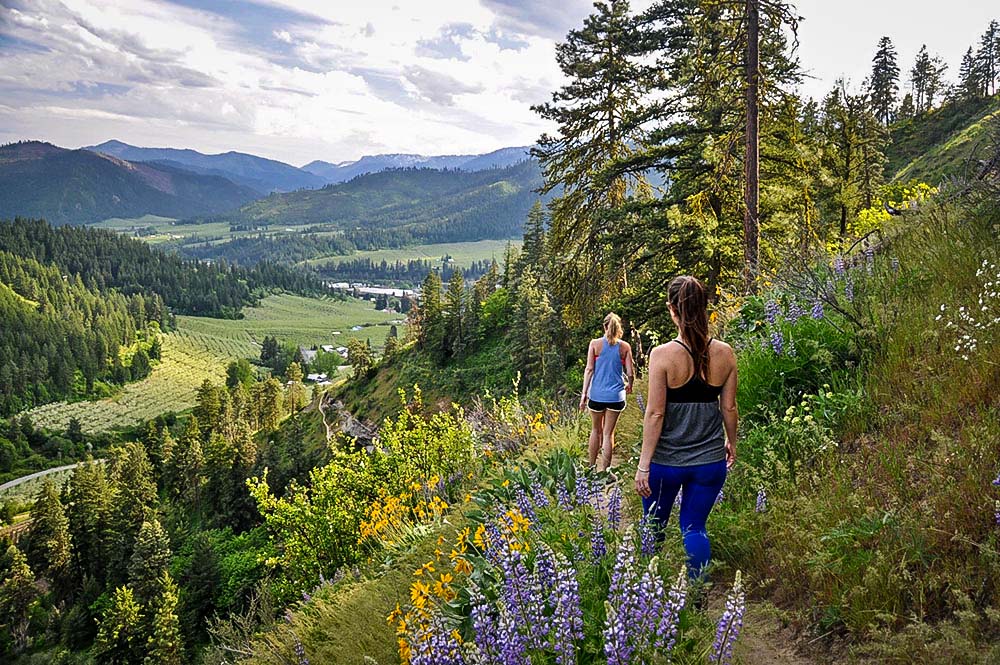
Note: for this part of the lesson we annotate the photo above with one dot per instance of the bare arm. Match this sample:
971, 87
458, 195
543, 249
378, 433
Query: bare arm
629, 369
730, 413
652, 422
588, 376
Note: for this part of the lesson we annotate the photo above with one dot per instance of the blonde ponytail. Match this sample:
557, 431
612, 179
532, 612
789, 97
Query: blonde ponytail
613, 328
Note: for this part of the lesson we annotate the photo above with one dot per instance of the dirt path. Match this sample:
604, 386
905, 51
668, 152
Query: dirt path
767, 638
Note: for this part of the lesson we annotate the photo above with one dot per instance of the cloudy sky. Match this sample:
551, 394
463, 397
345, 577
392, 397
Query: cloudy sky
299, 80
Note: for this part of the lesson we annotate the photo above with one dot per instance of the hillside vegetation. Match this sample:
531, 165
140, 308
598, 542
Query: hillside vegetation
941, 143
79, 187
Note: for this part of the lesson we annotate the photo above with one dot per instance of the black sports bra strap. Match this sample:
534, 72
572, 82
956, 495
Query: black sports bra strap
686, 347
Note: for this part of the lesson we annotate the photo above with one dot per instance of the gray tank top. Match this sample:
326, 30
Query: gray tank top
692, 432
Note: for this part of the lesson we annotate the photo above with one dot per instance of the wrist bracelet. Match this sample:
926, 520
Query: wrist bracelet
642, 470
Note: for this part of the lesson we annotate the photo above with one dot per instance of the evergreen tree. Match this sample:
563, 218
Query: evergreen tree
926, 79
269, 351
597, 115
272, 405
74, 430
533, 249
884, 81
200, 580
133, 493
207, 407
453, 314
906, 108
164, 644
296, 391
49, 551
140, 367
431, 316
531, 332
120, 633
240, 373
970, 85
88, 512
188, 466
987, 59
18, 594
359, 357
150, 560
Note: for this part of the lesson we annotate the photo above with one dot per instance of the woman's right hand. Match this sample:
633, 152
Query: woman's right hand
642, 484
583, 403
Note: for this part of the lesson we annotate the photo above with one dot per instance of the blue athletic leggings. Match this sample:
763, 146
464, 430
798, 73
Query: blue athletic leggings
701, 485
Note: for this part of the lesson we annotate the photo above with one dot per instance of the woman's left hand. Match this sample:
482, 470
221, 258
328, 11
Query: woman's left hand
642, 484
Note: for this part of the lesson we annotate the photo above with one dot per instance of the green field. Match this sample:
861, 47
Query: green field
168, 231
304, 321
202, 347
463, 253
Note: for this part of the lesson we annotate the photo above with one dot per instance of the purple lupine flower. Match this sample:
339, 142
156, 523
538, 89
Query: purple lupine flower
485, 624
996, 482
771, 311
567, 615
538, 494
761, 501
730, 624
300, 653
777, 342
795, 311
621, 605
523, 503
790, 349
306, 596
869, 259
583, 487
895, 264
649, 608
996, 511
720, 497
839, 269
647, 534
615, 507
641, 402
435, 645
849, 289
545, 567
679, 499
598, 546
666, 632
562, 495
817, 309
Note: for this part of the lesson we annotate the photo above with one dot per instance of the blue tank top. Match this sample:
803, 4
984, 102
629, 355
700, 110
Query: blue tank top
608, 384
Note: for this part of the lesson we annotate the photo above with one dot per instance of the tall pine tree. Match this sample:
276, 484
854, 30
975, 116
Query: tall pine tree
883, 84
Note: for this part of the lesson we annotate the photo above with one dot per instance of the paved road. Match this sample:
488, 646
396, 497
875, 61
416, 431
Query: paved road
38, 474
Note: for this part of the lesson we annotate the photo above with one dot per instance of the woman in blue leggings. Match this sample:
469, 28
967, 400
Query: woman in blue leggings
689, 431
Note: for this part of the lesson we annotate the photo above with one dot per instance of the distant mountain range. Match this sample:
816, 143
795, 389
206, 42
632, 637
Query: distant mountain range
268, 175
344, 171
79, 186
260, 174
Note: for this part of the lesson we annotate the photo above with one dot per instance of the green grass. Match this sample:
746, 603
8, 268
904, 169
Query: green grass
938, 145
463, 253
298, 320
168, 231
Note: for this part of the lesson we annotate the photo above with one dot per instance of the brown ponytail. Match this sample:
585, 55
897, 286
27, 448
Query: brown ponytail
689, 299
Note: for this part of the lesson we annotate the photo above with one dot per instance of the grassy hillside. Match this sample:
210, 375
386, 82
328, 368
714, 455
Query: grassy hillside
938, 144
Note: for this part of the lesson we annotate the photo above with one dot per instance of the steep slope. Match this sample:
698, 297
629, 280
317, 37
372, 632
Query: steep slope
79, 186
938, 144
258, 173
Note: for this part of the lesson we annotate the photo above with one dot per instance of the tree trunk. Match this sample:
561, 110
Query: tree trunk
751, 221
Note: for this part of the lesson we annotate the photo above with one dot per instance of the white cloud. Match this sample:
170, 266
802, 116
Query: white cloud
283, 35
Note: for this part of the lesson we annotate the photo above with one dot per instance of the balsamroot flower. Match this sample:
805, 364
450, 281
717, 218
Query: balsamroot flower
730, 624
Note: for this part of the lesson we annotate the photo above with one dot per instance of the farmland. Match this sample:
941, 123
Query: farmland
462, 253
298, 320
202, 347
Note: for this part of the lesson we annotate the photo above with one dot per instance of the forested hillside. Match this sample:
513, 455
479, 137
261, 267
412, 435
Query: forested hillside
59, 337
386, 209
106, 260
79, 186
